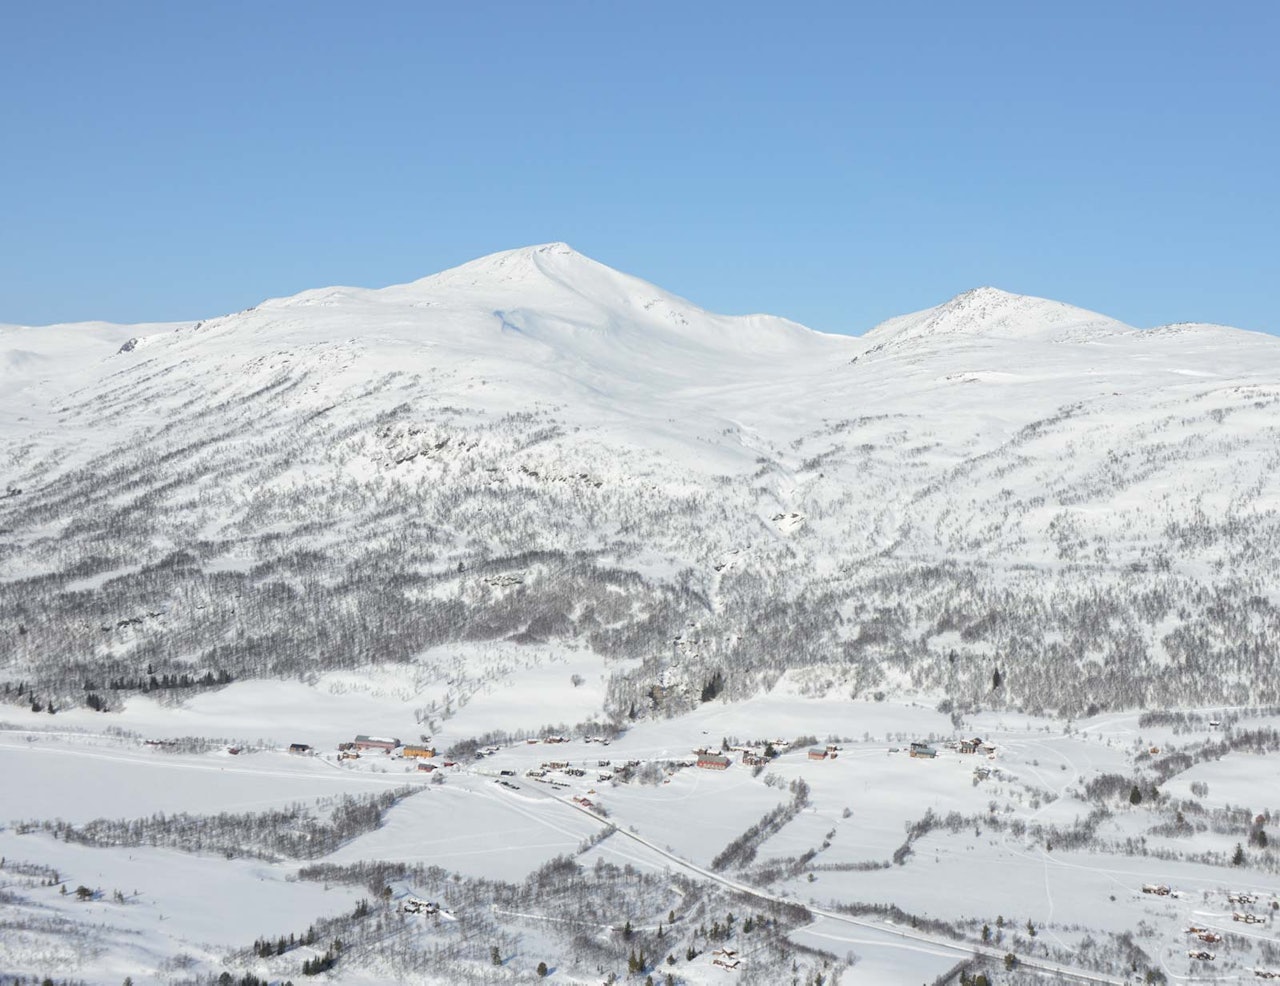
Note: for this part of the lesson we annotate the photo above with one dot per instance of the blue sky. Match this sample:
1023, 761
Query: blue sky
835, 163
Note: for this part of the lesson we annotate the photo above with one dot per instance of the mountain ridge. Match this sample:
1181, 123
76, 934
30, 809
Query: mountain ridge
364, 476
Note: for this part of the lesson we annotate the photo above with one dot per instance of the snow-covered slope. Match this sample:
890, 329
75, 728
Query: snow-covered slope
535, 449
990, 312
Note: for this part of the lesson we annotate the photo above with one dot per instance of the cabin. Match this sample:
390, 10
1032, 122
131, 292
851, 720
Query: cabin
971, 745
426, 768
1159, 889
923, 750
413, 905
1200, 954
816, 754
384, 743
302, 749
419, 752
713, 761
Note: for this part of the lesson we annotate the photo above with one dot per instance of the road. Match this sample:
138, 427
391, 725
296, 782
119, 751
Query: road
911, 937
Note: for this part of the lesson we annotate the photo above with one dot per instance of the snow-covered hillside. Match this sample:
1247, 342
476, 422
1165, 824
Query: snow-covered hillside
534, 454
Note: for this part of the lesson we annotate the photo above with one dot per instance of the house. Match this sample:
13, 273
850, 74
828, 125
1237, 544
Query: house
1200, 954
817, 754
426, 768
971, 745
713, 761
300, 748
725, 953
414, 905
1159, 889
386, 744
923, 750
419, 752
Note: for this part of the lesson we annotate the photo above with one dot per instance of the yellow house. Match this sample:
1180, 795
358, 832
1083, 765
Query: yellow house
423, 752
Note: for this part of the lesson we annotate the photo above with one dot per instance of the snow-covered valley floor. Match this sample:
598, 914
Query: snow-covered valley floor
879, 866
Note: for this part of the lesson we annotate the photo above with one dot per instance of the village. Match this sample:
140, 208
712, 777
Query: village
887, 806
560, 773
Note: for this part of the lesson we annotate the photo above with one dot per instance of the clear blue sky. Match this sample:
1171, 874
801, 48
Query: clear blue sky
835, 163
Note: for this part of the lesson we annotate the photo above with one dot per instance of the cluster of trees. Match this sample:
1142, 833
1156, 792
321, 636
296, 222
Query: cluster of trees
296, 832
742, 850
571, 904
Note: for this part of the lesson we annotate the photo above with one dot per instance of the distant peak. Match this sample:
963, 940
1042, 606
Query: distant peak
995, 313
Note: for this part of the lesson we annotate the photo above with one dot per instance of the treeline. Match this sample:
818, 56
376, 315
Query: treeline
742, 850
296, 832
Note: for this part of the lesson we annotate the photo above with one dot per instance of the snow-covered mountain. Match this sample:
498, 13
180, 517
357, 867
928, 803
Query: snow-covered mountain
533, 448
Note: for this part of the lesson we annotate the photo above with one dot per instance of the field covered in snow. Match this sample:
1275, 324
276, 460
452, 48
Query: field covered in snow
894, 867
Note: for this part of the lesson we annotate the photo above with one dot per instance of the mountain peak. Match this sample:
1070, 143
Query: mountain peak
988, 312
521, 266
